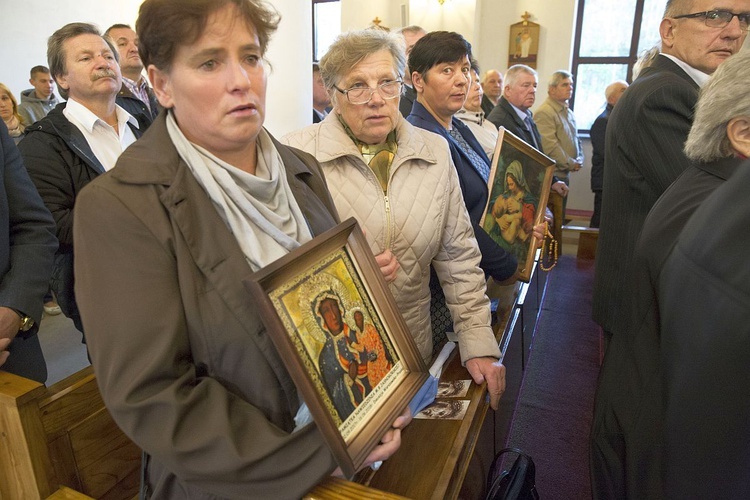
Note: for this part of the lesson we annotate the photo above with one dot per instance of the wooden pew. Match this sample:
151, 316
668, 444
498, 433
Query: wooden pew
61, 443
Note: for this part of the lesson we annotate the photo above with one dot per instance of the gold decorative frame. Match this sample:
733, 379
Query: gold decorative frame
509, 216
356, 374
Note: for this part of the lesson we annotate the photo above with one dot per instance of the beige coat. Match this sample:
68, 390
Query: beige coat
181, 355
422, 220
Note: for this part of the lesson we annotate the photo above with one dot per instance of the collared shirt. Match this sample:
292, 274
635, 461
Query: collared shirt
698, 76
138, 89
522, 114
104, 141
321, 114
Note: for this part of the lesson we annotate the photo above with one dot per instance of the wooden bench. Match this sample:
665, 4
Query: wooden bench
61, 443
588, 237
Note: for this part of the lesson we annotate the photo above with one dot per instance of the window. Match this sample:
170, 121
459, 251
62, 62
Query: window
609, 36
326, 25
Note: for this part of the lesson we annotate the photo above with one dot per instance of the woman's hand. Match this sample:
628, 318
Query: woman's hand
489, 370
389, 444
388, 265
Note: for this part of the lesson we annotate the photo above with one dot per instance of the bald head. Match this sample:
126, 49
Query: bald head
492, 85
614, 91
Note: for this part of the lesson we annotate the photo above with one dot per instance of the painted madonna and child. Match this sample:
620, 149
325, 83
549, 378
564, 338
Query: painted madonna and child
519, 183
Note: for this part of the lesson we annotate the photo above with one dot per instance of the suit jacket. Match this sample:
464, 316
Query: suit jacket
133, 105
598, 130
503, 115
27, 246
645, 136
704, 307
627, 434
559, 132
495, 260
407, 100
487, 105
182, 357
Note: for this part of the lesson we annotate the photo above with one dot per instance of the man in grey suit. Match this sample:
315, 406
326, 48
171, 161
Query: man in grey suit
645, 136
27, 247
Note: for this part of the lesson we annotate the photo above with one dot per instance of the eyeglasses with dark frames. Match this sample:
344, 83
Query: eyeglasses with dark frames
362, 95
719, 18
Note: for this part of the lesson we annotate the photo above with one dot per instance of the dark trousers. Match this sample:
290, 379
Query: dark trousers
597, 215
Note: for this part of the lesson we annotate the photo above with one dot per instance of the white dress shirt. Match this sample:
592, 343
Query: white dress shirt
106, 143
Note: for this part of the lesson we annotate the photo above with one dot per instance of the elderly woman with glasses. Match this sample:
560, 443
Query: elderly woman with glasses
628, 456
400, 184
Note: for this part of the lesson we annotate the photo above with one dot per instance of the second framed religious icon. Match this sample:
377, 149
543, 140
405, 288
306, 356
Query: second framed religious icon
520, 179
336, 325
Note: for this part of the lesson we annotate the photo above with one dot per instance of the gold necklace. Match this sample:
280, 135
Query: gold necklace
548, 258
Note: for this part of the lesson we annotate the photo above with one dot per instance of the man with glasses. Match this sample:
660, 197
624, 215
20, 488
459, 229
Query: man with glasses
644, 141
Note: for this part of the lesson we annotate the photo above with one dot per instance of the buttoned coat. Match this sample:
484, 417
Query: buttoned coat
645, 136
182, 357
422, 219
27, 246
60, 163
504, 115
627, 433
557, 126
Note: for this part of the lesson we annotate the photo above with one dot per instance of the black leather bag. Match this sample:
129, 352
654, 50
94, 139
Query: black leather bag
517, 483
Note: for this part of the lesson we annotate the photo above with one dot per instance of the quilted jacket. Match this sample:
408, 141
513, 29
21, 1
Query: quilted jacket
422, 219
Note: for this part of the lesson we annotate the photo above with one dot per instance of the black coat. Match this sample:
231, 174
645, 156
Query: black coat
133, 105
704, 308
27, 246
627, 435
645, 136
598, 131
487, 105
503, 115
407, 100
60, 163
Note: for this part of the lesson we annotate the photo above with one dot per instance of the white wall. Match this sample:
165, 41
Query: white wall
289, 94
485, 23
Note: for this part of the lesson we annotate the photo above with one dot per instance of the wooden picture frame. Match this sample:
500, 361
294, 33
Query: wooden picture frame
523, 46
514, 208
353, 396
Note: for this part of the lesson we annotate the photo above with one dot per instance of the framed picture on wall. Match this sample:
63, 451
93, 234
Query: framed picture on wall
524, 43
519, 184
336, 325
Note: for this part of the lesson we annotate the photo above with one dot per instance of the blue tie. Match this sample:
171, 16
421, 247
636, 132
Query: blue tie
529, 126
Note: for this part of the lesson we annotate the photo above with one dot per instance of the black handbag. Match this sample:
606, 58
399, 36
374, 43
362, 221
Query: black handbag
517, 483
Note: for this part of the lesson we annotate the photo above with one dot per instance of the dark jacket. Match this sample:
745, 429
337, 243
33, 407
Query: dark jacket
646, 133
704, 309
27, 246
60, 163
496, 262
598, 130
627, 435
133, 105
407, 100
487, 105
503, 115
